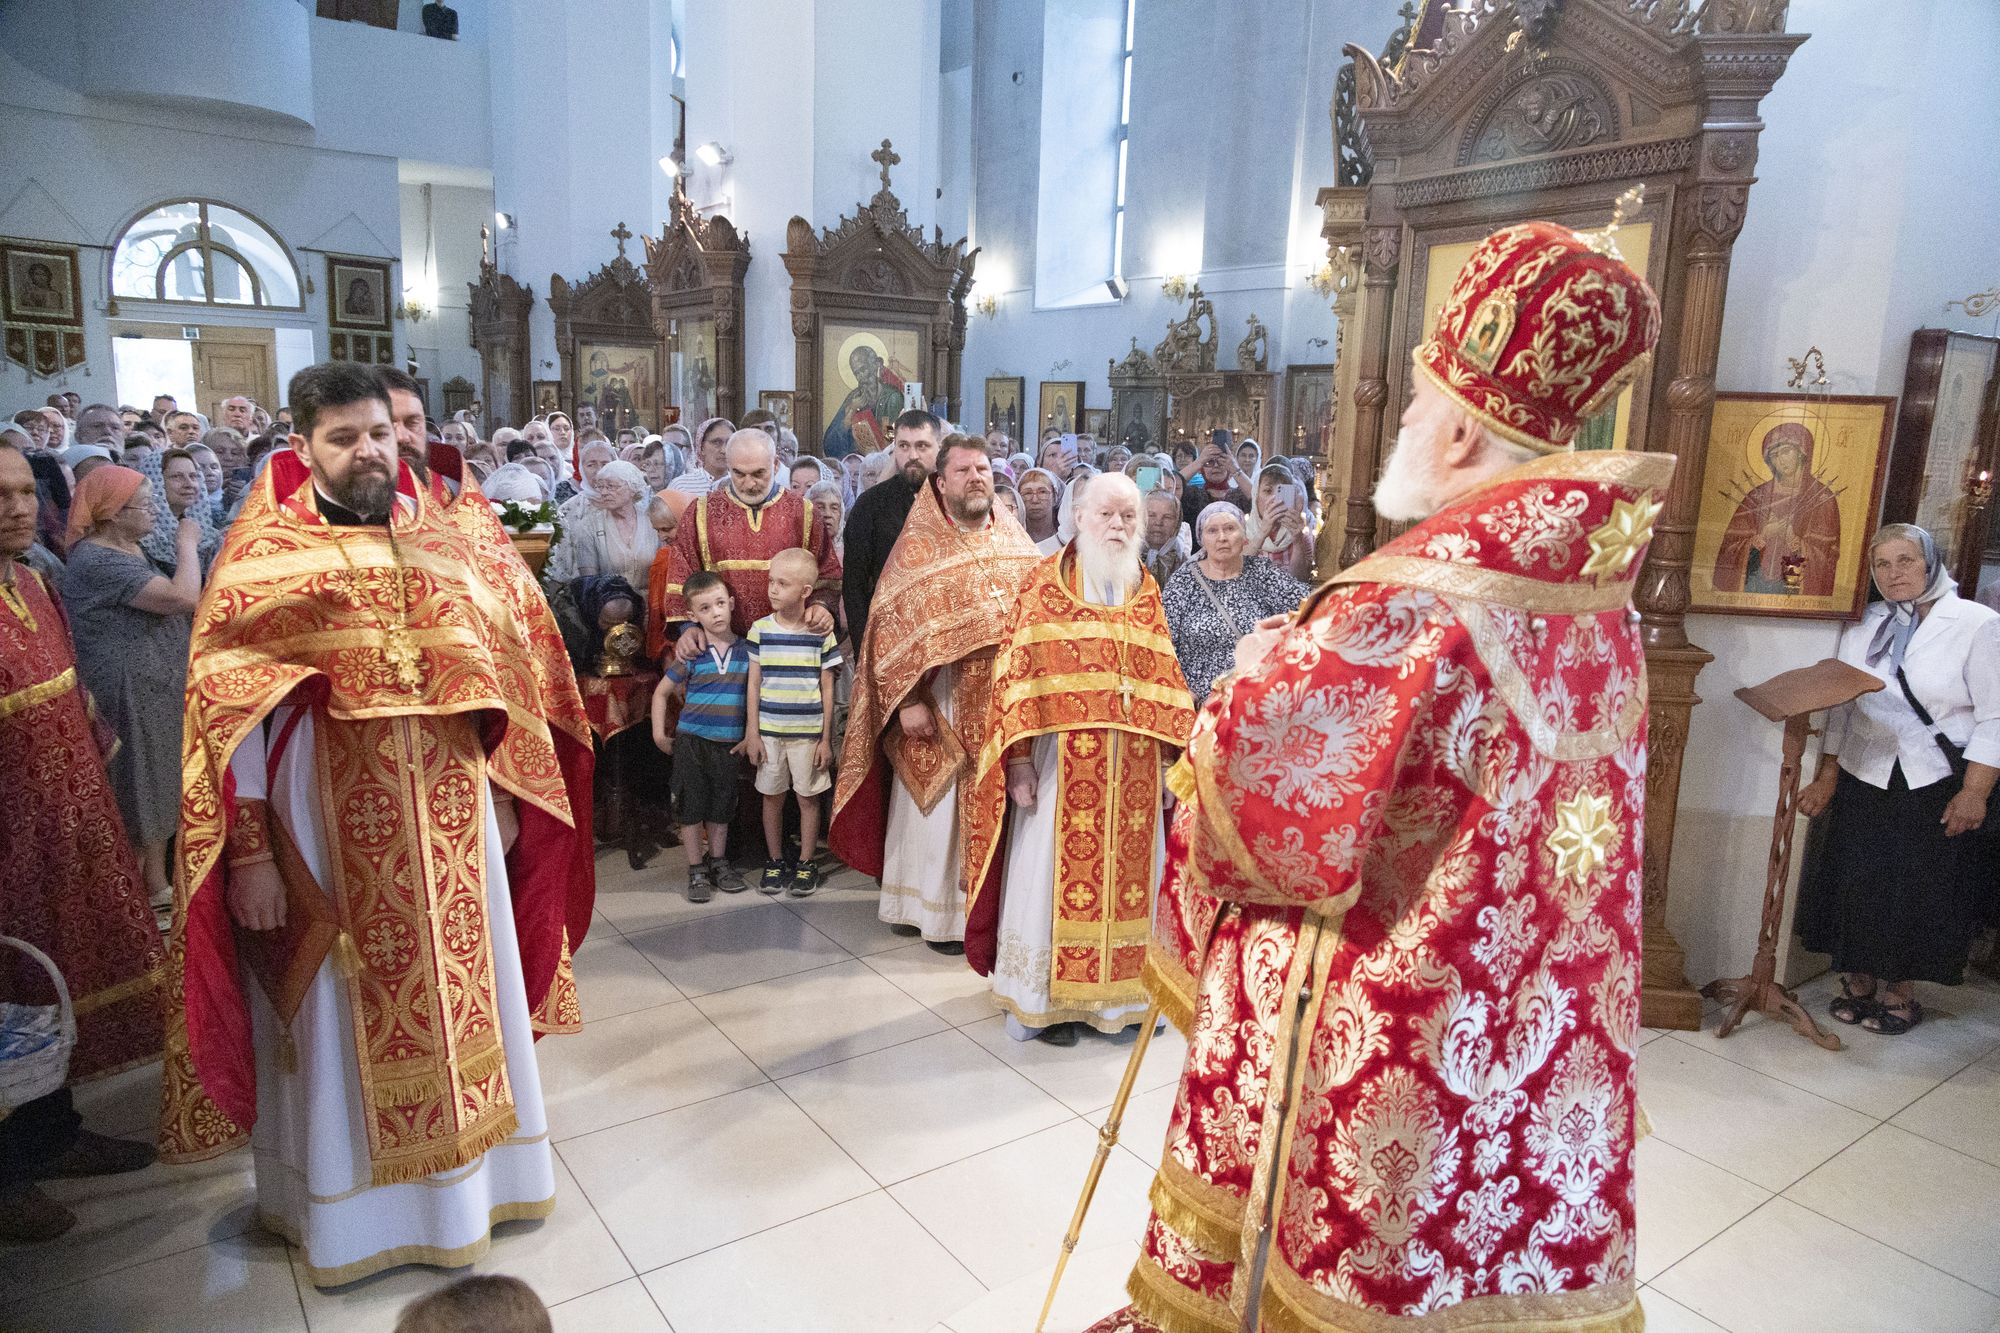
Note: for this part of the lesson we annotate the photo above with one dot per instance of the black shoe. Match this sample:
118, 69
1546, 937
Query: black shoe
805, 880
1061, 1034
776, 875
899, 928
97, 1155
701, 884
727, 877
951, 947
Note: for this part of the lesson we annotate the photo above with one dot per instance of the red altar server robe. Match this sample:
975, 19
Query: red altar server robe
721, 533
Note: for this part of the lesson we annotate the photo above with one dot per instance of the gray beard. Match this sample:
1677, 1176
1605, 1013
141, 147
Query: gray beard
1106, 569
370, 496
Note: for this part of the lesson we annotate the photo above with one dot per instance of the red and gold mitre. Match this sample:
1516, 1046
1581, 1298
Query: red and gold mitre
1543, 326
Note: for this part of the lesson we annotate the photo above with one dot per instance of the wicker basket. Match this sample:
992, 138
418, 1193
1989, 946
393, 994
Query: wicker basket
35, 1039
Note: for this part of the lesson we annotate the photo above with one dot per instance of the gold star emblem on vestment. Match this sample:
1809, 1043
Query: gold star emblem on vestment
1584, 829
1616, 542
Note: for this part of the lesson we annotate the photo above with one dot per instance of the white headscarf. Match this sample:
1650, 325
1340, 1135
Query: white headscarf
514, 482
1066, 514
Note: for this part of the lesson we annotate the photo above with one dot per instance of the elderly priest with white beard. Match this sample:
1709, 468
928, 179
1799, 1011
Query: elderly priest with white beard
1088, 709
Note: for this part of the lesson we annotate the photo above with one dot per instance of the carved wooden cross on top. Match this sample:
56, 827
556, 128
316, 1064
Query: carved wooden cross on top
621, 234
888, 157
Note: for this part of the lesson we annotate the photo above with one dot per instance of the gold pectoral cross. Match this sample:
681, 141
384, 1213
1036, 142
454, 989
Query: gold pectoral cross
1125, 689
402, 657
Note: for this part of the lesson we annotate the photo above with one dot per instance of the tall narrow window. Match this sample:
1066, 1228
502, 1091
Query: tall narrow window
1124, 144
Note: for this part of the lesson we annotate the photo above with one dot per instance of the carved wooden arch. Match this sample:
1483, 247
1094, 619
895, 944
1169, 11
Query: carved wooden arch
498, 320
612, 305
696, 267
875, 268
1498, 111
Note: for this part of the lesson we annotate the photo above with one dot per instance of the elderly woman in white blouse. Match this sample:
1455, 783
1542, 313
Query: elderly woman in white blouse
1904, 778
612, 534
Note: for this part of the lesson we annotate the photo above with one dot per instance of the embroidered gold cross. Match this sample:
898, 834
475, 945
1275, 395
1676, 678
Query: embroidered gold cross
402, 657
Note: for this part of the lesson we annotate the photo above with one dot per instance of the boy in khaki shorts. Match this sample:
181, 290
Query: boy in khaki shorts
788, 734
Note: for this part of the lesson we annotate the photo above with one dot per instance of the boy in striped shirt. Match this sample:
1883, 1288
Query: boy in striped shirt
710, 736
789, 732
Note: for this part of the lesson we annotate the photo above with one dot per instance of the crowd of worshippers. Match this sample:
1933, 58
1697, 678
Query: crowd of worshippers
133, 503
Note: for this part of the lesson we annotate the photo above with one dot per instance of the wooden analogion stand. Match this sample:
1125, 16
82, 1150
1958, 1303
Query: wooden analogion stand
1791, 698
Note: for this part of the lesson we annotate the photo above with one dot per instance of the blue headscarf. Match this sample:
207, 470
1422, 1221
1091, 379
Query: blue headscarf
1893, 635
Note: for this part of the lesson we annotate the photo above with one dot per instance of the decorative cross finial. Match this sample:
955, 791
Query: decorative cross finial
1627, 205
888, 157
621, 234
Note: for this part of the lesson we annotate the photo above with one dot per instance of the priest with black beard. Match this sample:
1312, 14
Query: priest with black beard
879, 513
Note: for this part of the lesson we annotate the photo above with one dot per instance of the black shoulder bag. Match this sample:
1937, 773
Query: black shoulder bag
1953, 754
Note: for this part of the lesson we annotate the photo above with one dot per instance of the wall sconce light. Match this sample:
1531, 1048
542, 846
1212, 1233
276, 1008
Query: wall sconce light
714, 154
1176, 287
503, 221
669, 166
987, 305
413, 310
1321, 280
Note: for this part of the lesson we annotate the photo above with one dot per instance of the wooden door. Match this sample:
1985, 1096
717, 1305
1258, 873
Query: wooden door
230, 361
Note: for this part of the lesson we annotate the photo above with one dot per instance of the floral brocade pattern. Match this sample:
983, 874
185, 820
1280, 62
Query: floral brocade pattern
1422, 816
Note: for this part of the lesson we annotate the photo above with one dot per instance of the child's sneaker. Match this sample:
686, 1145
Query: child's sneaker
805, 880
701, 884
727, 877
776, 875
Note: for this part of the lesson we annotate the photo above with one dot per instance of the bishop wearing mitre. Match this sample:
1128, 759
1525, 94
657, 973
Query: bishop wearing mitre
385, 855
1064, 840
923, 678
1402, 914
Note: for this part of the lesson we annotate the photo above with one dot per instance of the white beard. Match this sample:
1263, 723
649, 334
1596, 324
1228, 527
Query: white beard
1110, 574
1408, 489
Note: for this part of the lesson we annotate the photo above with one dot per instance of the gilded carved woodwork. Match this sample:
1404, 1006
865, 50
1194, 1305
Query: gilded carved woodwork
613, 306
498, 326
695, 267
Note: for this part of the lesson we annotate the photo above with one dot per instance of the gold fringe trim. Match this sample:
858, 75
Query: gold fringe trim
1163, 983
1293, 1305
346, 958
1206, 1214
402, 1255
391, 1093
1171, 1307
464, 1149
1180, 779
483, 1064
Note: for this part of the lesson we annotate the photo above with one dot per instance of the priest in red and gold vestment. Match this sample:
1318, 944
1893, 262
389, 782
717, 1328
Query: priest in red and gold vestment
922, 683
1414, 813
385, 857
1064, 839
734, 530
69, 884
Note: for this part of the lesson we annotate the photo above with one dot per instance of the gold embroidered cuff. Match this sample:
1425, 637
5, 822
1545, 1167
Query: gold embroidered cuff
250, 835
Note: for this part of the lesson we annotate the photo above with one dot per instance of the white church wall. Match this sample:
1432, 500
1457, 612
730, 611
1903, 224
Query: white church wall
440, 344
1870, 212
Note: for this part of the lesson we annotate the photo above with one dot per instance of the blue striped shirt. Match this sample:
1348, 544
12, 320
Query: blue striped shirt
718, 692
788, 697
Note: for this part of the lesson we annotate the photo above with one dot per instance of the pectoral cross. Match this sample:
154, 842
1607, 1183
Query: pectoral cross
1125, 689
621, 234
999, 599
403, 658
888, 157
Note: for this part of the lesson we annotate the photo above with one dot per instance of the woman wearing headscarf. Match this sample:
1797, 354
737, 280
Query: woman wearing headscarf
159, 544
1904, 776
1215, 599
1071, 493
131, 628
1277, 528
52, 494
514, 482
591, 460
587, 609
612, 534
1041, 494
709, 465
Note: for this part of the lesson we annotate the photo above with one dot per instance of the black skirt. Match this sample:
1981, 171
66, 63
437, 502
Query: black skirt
1888, 894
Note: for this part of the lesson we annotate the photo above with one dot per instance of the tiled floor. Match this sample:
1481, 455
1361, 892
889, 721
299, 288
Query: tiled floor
781, 1118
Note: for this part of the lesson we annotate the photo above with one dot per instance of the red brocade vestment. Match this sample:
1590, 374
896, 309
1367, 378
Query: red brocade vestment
722, 534
69, 883
1401, 925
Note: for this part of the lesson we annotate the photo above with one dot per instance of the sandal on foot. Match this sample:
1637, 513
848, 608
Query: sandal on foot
1850, 1007
1893, 1020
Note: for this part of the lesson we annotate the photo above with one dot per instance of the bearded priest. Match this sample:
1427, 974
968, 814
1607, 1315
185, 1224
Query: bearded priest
1089, 707
385, 856
921, 688
1408, 1102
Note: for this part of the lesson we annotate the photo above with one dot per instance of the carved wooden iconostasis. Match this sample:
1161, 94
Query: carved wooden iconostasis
498, 322
696, 267
876, 309
1492, 112
613, 360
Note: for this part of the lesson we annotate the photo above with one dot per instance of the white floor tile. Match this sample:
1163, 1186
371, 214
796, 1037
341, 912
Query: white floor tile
1092, 1287
1929, 1202
564, 1255
1084, 1077
1650, 1034
635, 1065
1963, 1112
847, 915
863, 1267
800, 1022
239, 1285
1786, 1269
920, 1105
1683, 1203
1875, 1075
125, 1105
134, 1219
685, 1181
1666, 1315
622, 1308
1026, 1192
942, 984
1143, 1132
1735, 1118
736, 949
614, 978
657, 896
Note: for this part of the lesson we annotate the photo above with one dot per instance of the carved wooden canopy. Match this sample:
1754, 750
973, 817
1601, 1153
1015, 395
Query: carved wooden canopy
1489, 112
696, 268
875, 270
610, 309
498, 321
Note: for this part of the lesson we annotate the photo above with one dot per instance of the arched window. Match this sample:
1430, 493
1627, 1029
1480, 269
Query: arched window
202, 253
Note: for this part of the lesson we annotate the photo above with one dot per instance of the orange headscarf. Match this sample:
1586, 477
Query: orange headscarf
99, 496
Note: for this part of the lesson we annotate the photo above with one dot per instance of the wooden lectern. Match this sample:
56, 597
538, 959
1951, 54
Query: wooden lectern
1791, 698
